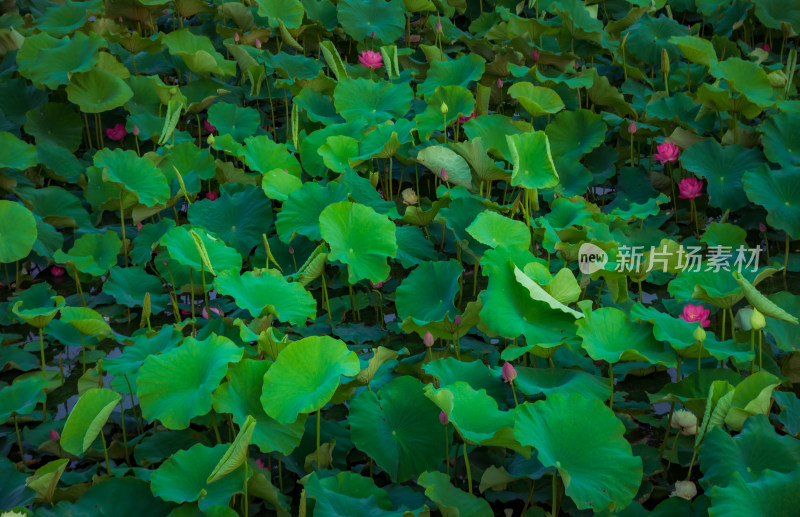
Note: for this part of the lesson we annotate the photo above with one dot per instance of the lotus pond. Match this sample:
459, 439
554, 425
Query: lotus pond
407, 257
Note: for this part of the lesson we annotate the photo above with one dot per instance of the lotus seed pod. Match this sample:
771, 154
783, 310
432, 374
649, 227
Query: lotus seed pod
757, 321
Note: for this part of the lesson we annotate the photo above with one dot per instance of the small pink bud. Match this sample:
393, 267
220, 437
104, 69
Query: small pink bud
444, 174
438, 25
139, 226
57, 271
291, 250
212, 196
164, 261
535, 55
443, 418
120, 19
258, 43
428, 340
508, 372
54, 435
376, 286
499, 83
762, 227
135, 130
372, 35
166, 12
632, 127
260, 464
185, 313
457, 321
236, 37
765, 47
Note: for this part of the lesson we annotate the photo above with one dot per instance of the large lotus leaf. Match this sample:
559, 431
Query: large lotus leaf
537, 100
692, 391
459, 101
104, 499
753, 396
52, 62
46, 477
176, 386
534, 381
450, 500
509, 310
649, 36
267, 292
65, 18
696, 49
745, 77
142, 347
92, 253
776, 190
724, 168
775, 13
305, 377
232, 120
240, 395
493, 130
318, 107
193, 164
56, 206
359, 237
394, 427
17, 231
533, 163
183, 477
182, 247
585, 441
476, 154
17, 97
137, 175
461, 71
438, 158
348, 493
55, 123
475, 373
313, 163
473, 413
97, 91
781, 138
373, 101
130, 286
242, 229
379, 19
784, 333
22, 396
428, 293
773, 493
718, 288
198, 53
87, 418
279, 184
86, 321
412, 246
610, 336
290, 12
339, 152
36, 306
15, 153
301, 211
263, 155
572, 134
362, 191
756, 449
15, 492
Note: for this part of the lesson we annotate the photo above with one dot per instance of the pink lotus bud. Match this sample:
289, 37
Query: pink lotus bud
185, 313
444, 174
236, 37
765, 47
54, 435
508, 372
260, 464
139, 226
499, 83
211, 196
443, 418
535, 55
428, 340
376, 286
438, 25
258, 43
372, 35
632, 127
135, 130
457, 321
762, 227
164, 261
166, 12
291, 250
120, 19
57, 271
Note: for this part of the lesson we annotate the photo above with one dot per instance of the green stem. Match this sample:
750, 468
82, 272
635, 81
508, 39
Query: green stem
19, 439
515, 394
469, 471
319, 419
446, 451
327, 299
105, 451
555, 493
246, 505
124, 433
611, 379
216, 428
122, 223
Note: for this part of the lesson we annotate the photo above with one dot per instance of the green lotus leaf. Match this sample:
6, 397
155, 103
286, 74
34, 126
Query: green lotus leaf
394, 427
22, 396
86, 321
17, 231
263, 155
302, 209
87, 418
290, 12
459, 101
493, 130
236, 455
412, 247
313, 164
51, 62
789, 405
756, 449
182, 247
279, 184
16, 154
129, 286
362, 191
93, 253
537, 100
372, 101
135, 174
193, 164
475, 373
65, 18
533, 163
183, 477
461, 71
745, 77
56, 206
198, 53
585, 442
438, 157
692, 391
305, 377
361, 18
97, 91
359, 237
535, 381
428, 293
725, 234
240, 396
718, 288
339, 152
775, 14
771, 494
267, 292
724, 168
176, 386
142, 347
55, 123
649, 36
752, 396
610, 336
48, 239
572, 134
348, 493
104, 498
475, 152
781, 139
696, 49
784, 332
451, 500
473, 413
317, 106
232, 120
40, 315
775, 190
45, 479
242, 229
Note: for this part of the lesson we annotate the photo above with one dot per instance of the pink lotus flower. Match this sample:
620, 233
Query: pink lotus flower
185, 313
166, 12
370, 59
372, 35
204, 312
508, 372
667, 152
212, 196
765, 47
462, 119
632, 127
117, 132
57, 271
690, 188
260, 464
692, 313
54, 435
376, 286
443, 418
535, 55
428, 339
139, 226
208, 127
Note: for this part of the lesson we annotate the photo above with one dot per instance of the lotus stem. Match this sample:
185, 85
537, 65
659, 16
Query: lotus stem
469, 471
139, 424
514, 392
205, 290
752, 349
216, 428
88, 130
555, 493
611, 379
319, 419
691, 464
245, 502
124, 433
722, 333
446, 449
326, 298
105, 451
786, 258
83, 353
666, 435
122, 224
19, 439
672, 450
760, 347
